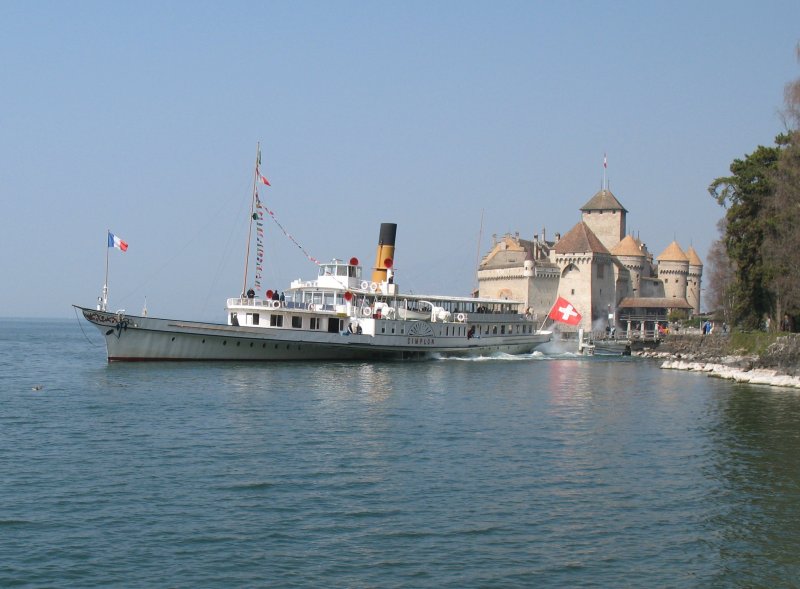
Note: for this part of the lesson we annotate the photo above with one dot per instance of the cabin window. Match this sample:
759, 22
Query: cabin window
502, 330
297, 321
494, 330
276, 320
255, 318
334, 325
313, 323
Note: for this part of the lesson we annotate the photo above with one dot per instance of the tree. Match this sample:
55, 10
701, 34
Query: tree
782, 227
745, 194
762, 233
721, 276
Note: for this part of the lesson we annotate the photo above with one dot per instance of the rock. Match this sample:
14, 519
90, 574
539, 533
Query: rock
778, 366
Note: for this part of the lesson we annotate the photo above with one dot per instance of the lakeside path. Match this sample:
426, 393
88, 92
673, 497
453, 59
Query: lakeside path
778, 365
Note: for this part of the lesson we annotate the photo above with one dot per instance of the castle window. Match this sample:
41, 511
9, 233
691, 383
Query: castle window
573, 291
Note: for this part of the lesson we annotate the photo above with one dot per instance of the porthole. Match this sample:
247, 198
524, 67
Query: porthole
251, 344
204, 341
238, 343
173, 338
224, 343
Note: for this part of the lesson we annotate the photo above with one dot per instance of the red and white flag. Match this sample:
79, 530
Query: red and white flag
564, 312
263, 180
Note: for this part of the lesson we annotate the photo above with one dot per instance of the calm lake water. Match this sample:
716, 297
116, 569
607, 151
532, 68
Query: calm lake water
533, 472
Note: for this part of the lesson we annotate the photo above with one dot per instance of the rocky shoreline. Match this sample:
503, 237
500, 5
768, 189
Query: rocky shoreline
713, 354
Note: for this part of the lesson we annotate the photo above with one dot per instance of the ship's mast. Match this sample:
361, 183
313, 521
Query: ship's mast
103, 302
478, 254
252, 213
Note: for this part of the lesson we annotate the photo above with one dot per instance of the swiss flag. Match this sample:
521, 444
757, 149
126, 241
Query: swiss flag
564, 311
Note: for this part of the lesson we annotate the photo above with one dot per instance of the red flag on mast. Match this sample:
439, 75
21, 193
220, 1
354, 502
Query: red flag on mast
565, 312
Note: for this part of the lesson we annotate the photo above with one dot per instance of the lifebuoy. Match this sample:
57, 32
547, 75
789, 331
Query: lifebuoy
367, 312
310, 306
373, 286
461, 317
275, 304
364, 285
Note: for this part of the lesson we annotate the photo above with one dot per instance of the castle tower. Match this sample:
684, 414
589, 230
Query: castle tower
673, 270
631, 256
587, 274
606, 217
694, 280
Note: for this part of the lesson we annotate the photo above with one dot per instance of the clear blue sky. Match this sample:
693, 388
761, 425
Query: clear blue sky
143, 117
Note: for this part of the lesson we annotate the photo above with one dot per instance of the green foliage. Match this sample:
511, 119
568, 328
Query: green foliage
751, 342
677, 315
761, 235
746, 194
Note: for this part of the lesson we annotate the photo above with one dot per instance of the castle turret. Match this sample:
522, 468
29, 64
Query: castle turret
673, 270
528, 265
693, 287
633, 258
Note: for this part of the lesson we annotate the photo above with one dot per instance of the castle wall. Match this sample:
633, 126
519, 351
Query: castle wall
651, 288
538, 292
693, 287
608, 226
675, 277
576, 285
503, 283
604, 293
636, 271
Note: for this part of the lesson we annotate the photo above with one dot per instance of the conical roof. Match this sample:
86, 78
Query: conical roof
694, 259
628, 247
580, 239
603, 201
673, 253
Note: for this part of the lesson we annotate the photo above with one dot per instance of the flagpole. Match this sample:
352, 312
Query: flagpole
547, 315
250, 225
478, 254
104, 302
605, 167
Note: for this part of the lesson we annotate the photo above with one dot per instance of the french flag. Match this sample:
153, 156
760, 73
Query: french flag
114, 241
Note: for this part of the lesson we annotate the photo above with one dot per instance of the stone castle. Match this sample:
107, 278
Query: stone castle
609, 276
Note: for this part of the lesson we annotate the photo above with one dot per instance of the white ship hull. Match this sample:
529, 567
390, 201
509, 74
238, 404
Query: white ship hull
134, 338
